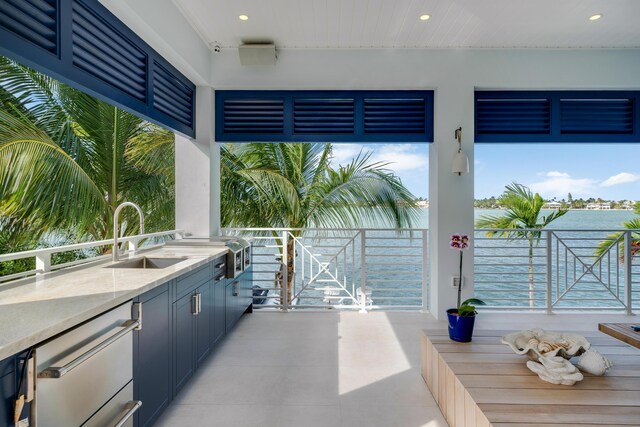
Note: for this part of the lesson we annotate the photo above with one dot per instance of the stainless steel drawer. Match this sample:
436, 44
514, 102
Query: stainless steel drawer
81, 370
117, 412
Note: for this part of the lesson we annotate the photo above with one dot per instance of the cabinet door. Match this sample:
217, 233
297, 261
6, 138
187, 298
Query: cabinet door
218, 327
152, 356
203, 323
231, 304
7, 394
246, 291
183, 341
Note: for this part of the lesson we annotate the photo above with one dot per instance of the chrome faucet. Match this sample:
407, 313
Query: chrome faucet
116, 225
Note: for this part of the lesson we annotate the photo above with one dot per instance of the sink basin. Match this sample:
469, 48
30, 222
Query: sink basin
147, 262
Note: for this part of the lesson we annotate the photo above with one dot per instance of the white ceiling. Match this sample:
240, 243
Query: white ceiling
396, 23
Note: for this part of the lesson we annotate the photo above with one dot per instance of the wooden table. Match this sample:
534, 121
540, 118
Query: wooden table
484, 383
622, 331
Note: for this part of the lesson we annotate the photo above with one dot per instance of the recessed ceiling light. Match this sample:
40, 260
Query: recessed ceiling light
425, 17
243, 17
595, 17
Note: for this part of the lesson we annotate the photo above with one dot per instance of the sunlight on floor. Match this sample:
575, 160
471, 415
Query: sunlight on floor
374, 347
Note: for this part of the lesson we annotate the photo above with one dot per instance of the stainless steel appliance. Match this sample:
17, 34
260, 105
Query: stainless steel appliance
84, 377
238, 257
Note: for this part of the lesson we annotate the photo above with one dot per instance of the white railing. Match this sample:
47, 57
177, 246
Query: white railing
43, 256
339, 268
558, 270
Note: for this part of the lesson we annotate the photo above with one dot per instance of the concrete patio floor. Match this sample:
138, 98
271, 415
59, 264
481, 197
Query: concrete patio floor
330, 369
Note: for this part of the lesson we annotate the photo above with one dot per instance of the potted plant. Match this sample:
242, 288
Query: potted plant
462, 318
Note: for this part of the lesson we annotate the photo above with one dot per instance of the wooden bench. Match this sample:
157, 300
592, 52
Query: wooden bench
483, 383
622, 331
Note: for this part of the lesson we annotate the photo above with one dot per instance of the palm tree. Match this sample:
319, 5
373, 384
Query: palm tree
606, 244
68, 159
295, 186
521, 220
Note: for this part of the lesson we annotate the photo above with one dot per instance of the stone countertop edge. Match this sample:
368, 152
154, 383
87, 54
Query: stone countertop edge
20, 328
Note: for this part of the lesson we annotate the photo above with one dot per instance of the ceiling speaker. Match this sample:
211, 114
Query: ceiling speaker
252, 54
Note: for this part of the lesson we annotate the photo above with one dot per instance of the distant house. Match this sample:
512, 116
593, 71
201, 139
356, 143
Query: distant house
629, 205
599, 206
552, 205
423, 203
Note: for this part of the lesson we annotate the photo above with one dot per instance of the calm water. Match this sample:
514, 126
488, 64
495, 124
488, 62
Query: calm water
386, 276
574, 219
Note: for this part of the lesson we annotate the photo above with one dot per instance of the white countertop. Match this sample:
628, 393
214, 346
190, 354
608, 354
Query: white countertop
37, 308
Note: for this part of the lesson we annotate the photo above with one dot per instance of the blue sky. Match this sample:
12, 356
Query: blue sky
610, 171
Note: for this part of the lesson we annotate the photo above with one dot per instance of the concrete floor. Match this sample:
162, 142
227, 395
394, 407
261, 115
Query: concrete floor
308, 369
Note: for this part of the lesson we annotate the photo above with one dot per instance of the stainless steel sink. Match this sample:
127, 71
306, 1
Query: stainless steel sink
147, 262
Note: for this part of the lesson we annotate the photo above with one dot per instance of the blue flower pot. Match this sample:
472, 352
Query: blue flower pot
460, 327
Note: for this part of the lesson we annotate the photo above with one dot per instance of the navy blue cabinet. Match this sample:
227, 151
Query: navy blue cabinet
152, 354
246, 291
7, 394
218, 327
203, 322
184, 333
231, 303
10, 370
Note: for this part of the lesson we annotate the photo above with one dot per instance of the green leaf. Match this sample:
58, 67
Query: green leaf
473, 301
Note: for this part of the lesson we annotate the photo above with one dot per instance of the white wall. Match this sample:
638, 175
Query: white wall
453, 74
198, 173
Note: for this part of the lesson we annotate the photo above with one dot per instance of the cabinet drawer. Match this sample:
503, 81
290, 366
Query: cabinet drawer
120, 406
189, 282
71, 399
219, 266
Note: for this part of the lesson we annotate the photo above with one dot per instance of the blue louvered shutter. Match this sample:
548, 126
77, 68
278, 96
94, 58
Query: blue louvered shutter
557, 116
172, 97
35, 21
324, 116
251, 116
596, 116
394, 116
102, 51
81, 43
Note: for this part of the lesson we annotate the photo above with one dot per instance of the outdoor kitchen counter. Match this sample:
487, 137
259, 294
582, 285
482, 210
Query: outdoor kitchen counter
37, 308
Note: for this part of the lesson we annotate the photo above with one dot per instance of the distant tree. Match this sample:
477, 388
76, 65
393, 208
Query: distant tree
521, 220
570, 199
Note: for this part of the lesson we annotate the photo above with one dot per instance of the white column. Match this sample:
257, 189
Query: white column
450, 196
198, 173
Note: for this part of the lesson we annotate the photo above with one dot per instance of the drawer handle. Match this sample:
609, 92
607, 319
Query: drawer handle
60, 371
236, 291
220, 279
194, 304
131, 409
221, 265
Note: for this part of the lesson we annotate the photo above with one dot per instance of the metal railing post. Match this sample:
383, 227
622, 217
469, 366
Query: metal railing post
43, 263
628, 268
549, 273
285, 270
363, 271
425, 273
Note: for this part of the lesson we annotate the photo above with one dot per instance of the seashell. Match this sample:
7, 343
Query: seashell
545, 347
537, 343
594, 363
556, 370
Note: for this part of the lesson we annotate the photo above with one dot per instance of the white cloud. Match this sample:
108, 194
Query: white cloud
621, 178
556, 174
400, 157
344, 153
559, 184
